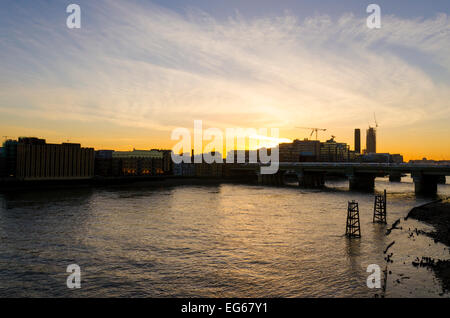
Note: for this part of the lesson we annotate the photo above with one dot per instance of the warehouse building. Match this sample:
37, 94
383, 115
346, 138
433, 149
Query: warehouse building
37, 160
137, 162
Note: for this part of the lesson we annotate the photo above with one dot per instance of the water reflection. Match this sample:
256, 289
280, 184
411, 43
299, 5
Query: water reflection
211, 241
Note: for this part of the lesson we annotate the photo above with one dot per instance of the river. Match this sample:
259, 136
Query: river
226, 240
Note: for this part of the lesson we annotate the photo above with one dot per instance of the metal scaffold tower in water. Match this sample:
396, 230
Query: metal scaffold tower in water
353, 226
379, 208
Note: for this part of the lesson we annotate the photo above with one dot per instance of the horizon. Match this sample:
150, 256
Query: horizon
222, 153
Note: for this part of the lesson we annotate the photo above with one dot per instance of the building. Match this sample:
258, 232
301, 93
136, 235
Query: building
37, 160
357, 140
213, 169
104, 154
396, 158
208, 169
103, 163
245, 155
431, 162
381, 158
315, 151
371, 140
300, 151
167, 161
2, 162
10, 157
133, 163
137, 162
332, 151
184, 169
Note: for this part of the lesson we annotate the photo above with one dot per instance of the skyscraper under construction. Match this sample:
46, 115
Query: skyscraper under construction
371, 140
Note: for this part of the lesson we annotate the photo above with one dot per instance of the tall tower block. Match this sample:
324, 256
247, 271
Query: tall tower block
371, 140
358, 140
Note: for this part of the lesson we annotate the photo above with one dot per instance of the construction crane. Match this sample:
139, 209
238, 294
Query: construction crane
376, 123
313, 130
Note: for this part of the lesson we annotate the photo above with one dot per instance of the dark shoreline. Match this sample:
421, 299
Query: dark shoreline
12, 185
436, 214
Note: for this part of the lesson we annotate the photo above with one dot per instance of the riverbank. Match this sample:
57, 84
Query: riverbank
436, 214
11, 184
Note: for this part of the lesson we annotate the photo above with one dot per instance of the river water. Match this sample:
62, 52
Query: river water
225, 240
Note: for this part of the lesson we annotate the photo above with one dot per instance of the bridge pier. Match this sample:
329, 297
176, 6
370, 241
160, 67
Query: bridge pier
395, 177
279, 178
425, 184
362, 182
263, 179
311, 179
361, 175
271, 179
260, 178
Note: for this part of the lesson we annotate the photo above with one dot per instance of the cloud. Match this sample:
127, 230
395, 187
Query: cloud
146, 66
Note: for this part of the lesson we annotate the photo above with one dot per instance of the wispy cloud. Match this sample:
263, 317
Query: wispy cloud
146, 66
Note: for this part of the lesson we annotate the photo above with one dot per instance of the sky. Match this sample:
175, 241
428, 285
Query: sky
136, 70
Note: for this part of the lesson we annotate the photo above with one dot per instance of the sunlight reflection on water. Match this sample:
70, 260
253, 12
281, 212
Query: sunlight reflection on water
208, 241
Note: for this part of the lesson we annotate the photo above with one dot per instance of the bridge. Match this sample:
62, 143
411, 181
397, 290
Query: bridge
361, 176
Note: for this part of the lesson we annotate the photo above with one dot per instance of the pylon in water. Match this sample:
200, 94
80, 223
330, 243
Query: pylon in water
353, 226
379, 208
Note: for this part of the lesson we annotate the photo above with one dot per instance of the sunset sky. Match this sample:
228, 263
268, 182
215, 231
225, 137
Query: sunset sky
138, 69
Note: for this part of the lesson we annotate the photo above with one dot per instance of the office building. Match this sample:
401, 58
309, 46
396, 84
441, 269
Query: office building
371, 140
357, 140
332, 151
300, 151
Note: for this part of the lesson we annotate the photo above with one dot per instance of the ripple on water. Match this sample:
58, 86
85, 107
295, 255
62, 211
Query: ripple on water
211, 241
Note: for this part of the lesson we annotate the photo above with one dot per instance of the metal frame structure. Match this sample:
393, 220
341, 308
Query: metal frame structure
379, 208
353, 228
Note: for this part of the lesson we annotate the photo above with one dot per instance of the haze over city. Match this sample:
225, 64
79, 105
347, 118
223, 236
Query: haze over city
134, 71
